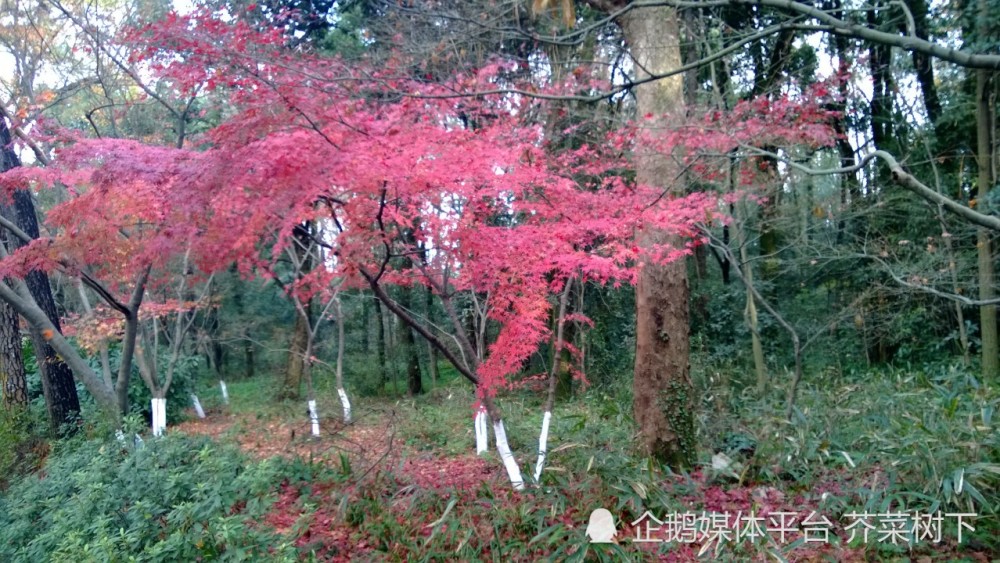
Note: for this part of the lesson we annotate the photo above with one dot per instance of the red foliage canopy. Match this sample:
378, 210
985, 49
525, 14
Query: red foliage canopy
308, 139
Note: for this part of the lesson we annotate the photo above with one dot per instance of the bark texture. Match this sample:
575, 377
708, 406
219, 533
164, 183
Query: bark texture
663, 392
61, 399
12, 378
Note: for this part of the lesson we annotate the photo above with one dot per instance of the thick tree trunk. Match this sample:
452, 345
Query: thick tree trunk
13, 382
922, 62
61, 399
663, 393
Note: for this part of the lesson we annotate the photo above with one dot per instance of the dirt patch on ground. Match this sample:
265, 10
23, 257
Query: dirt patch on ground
369, 445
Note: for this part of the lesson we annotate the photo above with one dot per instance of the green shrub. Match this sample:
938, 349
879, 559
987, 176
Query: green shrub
179, 394
177, 498
22, 448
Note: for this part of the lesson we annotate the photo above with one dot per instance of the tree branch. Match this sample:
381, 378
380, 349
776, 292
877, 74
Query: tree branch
901, 177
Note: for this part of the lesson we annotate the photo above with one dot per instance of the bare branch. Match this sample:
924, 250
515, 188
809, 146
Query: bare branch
901, 177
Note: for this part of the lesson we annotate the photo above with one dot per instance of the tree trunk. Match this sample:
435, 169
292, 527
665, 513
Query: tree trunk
879, 62
248, 356
663, 394
13, 382
987, 313
550, 401
432, 359
344, 401
366, 345
767, 80
292, 386
760, 366
380, 344
922, 62
217, 353
414, 383
61, 399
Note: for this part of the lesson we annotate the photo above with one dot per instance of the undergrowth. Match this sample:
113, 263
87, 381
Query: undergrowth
178, 498
896, 440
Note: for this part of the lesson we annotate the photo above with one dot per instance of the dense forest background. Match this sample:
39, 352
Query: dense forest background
756, 249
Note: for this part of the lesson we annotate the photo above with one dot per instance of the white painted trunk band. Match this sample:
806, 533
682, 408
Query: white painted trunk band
225, 392
347, 405
543, 440
513, 471
159, 415
197, 406
314, 418
482, 434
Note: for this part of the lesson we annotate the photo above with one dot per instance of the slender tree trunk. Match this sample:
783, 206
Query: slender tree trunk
767, 79
248, 355
61, 399
215, 349
380, 344
503, 446
414, 383
963, 336
760, 366
344, 401
562, 358
366, 344
392, 352
550, 400
291, 388
663, 393
307, 370
467, 364
987, 313
432, 358
879, 62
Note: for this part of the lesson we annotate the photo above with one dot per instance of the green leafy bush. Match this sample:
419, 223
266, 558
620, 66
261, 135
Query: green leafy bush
177, 498
21, 448
179, 394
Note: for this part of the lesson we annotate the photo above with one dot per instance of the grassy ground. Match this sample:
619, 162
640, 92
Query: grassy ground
908, 441
402, 482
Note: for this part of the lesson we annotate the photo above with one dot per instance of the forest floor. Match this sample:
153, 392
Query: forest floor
402, 482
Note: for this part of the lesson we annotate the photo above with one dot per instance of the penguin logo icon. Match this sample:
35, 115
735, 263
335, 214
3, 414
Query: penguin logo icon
602, 527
